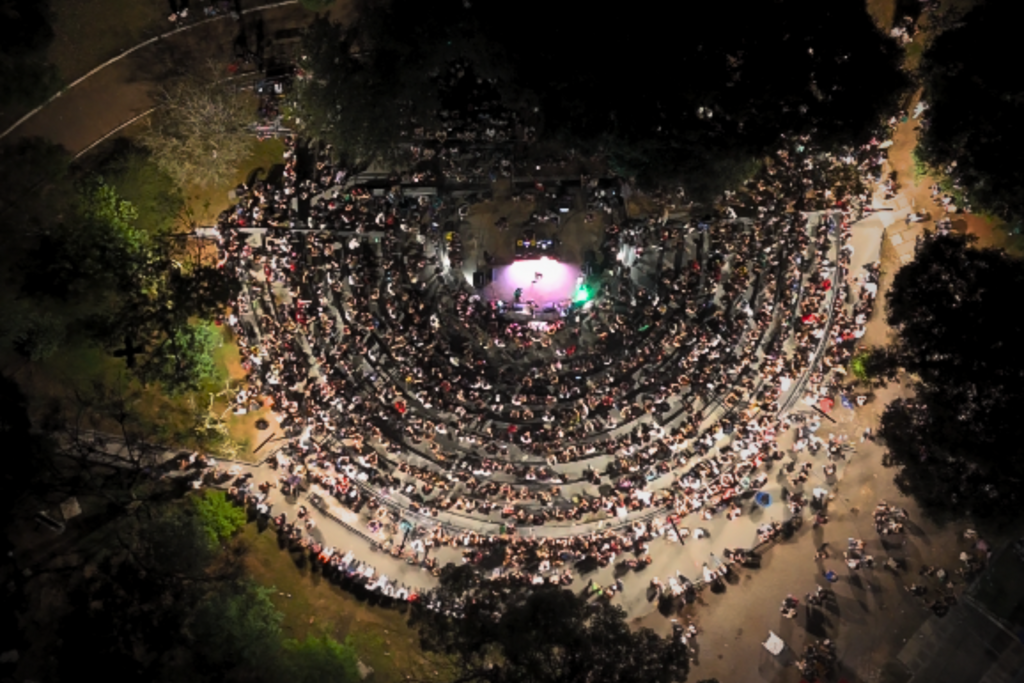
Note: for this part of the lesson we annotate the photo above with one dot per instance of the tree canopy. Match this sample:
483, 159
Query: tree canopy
160, 603
975, 107
317, 659
184, 360
957, 444
237, 624
99, 258
218, 516
370, 81
36, 187
606, 85
26, 77
200, 133
731, 88
542, 635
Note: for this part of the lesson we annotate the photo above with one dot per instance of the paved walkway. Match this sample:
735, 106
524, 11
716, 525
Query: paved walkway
124, 89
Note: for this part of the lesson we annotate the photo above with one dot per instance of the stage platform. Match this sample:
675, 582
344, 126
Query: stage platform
544, 281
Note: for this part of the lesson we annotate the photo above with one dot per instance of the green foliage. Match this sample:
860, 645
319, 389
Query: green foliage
26, 79
78, 271
742, 88
200, 134
91, 257
39, 334
920, 167
95, 259
860, 366
956, 444
365, 82
35, 187
173, 542
184, 361
219, 517
237, 624
315, 660
546, 634
975, 107
367, 86
104, 207
342, 101
156, 199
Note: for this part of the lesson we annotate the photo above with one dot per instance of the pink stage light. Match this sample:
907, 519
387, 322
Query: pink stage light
557, 281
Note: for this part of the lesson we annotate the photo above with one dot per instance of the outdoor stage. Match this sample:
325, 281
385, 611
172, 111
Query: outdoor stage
556, 284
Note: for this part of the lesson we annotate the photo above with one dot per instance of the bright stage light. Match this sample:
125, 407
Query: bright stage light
542, 279
582, 295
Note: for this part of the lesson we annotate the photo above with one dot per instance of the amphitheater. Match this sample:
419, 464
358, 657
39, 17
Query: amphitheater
642, 417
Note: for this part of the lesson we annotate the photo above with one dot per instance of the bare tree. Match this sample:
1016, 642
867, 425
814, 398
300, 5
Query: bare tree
201, 131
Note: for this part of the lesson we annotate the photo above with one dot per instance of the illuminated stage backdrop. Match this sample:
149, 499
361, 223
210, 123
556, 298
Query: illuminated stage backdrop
557, 281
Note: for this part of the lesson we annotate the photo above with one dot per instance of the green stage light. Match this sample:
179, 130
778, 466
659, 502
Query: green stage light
582, 295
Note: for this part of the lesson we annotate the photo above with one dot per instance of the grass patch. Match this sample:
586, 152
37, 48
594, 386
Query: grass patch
206, 203
914, 53
381, 636
921, 169
946, 185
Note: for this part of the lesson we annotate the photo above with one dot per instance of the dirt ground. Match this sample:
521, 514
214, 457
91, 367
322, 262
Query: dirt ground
873, 616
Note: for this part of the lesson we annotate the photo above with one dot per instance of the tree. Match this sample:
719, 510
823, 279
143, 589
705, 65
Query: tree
25, 34
157, 200
735, 86
39, 334
364, 84
183, 361
36, 187
315, 660
975, 104
219, 518
543, 635
237, 626
21, 475
200, 133
739, 87
88, 259
162, 604
956, 444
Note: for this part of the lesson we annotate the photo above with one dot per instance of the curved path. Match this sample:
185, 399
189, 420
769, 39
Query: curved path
122, 88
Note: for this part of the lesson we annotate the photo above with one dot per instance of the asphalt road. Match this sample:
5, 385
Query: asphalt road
124, 89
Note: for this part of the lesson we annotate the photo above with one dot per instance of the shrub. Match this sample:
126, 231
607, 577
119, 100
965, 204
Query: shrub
218, 516
860, 366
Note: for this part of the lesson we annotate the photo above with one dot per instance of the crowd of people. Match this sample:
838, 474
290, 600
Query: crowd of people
403, 389
397, 381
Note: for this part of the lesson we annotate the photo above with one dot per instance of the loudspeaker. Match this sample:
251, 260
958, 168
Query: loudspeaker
482, 278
